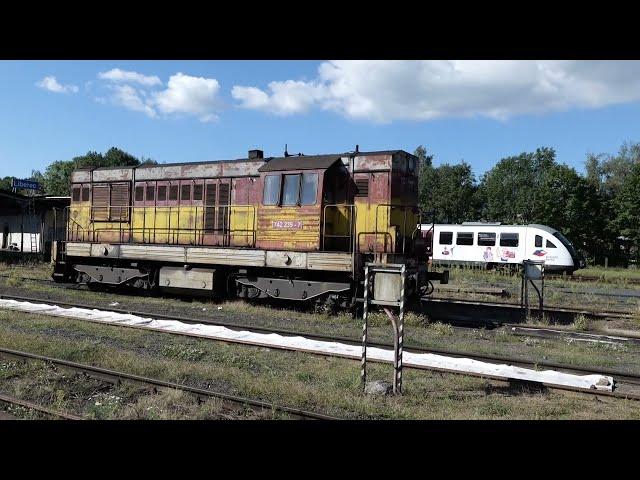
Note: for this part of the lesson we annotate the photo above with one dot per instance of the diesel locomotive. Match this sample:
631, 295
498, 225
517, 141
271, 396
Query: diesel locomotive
296, 227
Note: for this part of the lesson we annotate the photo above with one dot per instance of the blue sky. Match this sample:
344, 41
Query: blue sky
176, 111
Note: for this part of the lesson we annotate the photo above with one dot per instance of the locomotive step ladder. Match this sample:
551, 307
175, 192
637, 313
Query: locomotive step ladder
389, 281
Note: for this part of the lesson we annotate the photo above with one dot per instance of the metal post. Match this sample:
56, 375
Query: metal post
397, 386
363, 370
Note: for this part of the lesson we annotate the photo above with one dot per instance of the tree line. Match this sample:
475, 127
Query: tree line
56, 178
599, 211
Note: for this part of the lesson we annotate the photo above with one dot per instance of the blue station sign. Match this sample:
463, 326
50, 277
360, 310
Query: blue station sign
25, 184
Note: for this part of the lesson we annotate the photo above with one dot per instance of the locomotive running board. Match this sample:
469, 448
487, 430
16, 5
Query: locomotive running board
240, 257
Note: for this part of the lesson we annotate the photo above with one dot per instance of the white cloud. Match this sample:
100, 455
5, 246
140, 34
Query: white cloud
50, 83
284, 98
383, 91
189, 95
124, 76
184, 94
132, 99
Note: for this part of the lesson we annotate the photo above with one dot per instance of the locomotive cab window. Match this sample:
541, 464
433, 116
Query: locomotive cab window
151, 193
539, 241
309, 189
139, 193
162, 193
446, 238
85, 194
509, 239
291, 190
464, 238
550, 244
271, 194
486, 239
76, 194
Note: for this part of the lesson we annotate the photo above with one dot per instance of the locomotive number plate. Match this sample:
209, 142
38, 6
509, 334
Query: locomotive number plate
287, 224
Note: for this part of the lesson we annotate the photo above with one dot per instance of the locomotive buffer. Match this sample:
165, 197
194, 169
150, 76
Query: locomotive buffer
389, 282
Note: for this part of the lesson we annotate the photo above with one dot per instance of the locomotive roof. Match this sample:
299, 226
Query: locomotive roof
303, 162
267, 160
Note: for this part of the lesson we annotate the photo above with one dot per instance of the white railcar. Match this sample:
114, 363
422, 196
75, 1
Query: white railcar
492, 244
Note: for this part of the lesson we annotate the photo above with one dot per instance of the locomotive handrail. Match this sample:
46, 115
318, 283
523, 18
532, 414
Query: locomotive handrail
124, 223
404, 226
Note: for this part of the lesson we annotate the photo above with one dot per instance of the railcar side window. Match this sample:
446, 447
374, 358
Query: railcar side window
539, 241
464, 238
185, 193
486, 239
446, 238
162, 193
291, 190
139, 194
271, 190
509, 239
151, 193
85, 194
76, 194
309, 188
550, 244
173, 192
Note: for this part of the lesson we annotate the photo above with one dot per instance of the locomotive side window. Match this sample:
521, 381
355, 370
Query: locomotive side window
197, 191
162, 193
464, 238
486, 239
309, 188
76, 194
151, 193
550, 245
446, 238
539, 241
271, 190
291, 190
85, 194
509, 239
139, 193
173, 192
185, 193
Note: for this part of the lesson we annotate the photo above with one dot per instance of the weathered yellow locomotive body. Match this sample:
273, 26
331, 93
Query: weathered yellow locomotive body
293, 227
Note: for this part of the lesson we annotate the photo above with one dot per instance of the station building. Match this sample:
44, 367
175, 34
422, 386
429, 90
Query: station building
28, 225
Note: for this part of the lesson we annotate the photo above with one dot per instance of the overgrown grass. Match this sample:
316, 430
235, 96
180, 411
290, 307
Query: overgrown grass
15, 279
581, 323
290, 378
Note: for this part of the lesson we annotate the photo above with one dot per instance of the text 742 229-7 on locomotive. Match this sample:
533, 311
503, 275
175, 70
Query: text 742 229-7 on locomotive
295, 227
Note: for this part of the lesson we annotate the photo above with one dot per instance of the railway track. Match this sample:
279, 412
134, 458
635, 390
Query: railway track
586, 279
113, 376
38, 408
512, 309
627, 384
